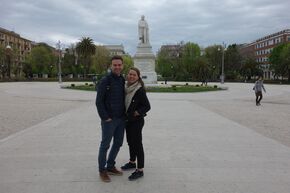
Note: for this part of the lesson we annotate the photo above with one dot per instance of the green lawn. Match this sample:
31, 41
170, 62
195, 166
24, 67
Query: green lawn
173, 88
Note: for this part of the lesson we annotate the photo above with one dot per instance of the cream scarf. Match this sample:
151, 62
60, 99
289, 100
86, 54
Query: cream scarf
130, 91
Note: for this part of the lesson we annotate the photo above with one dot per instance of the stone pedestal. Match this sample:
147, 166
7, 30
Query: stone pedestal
144, 60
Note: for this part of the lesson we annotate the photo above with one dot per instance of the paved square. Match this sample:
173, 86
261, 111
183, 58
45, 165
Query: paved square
194, 142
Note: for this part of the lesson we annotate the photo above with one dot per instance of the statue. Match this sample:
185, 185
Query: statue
143, 31
144, 59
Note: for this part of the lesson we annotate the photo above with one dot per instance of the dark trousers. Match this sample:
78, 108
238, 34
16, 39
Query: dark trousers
110, 130
259, 97
134, 139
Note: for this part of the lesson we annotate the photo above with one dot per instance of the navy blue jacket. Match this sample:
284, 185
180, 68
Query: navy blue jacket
110, 100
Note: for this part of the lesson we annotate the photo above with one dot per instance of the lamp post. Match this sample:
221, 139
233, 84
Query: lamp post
59, 60
8, 55
213, 73
223, 62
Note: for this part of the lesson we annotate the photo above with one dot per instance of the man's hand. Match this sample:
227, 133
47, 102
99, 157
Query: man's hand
108, 120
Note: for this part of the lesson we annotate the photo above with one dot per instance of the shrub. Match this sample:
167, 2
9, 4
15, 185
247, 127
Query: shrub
197, 85
215, 86
86, 84
72, 85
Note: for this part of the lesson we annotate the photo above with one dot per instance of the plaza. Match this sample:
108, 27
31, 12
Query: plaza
194, 142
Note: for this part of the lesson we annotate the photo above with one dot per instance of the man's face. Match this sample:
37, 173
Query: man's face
117, 66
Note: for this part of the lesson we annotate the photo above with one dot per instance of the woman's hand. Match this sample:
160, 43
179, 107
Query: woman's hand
136, 114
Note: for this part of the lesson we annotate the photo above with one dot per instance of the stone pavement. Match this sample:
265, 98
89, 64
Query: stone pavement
188, 147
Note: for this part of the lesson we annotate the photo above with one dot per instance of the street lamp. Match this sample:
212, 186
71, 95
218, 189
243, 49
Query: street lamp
59, 59
223, 62
8, 55
213, 73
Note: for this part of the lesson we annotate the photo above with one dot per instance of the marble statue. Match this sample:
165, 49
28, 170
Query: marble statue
143, 30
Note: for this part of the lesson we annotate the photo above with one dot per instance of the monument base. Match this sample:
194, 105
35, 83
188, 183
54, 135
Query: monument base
144, 60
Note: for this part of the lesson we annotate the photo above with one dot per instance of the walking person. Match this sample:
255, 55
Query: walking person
137, 105
258, 90
110, 104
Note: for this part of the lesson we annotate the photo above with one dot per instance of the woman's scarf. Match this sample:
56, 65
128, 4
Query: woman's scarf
130, 91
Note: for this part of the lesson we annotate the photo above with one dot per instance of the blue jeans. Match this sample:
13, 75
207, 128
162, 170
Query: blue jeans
113, 129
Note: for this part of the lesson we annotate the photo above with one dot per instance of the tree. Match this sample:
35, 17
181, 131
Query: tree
165, 63
101, 60
232, 61
40, 60
276, 61
190, 54
280, 60
2, 63
69, 60
214, 59
128, 63
250, 68
202, 69
86, 49
286, 59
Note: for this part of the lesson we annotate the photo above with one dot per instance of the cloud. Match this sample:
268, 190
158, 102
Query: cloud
205, 22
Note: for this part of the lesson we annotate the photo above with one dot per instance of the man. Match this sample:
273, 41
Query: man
111, 108
258, 90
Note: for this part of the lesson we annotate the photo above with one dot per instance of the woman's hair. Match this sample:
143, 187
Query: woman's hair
139, 75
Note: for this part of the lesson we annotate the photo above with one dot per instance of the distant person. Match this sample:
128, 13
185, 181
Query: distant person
258, 90
137, 105
110, 103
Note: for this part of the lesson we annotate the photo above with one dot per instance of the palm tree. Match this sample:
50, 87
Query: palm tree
85, 49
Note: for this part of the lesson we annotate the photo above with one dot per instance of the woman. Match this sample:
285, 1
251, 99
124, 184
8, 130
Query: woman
258, 90
137, 105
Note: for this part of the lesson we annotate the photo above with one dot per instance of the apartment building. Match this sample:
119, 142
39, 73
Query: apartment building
261, 48
19, 47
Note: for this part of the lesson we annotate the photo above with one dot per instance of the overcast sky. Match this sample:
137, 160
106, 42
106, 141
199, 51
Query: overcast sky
205, 22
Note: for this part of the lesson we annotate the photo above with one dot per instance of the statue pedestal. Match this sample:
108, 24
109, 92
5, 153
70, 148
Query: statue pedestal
144, 60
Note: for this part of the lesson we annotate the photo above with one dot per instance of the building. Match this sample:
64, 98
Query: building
115, 49
172, 50
20, 47
261, 48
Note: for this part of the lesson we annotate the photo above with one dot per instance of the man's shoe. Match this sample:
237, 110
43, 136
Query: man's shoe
114, 171
104, 176
135, 175
129, 166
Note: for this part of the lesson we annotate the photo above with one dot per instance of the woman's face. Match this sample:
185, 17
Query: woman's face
132, 76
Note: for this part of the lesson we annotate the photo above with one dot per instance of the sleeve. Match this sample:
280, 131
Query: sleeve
263, 88
145, 104
101, 99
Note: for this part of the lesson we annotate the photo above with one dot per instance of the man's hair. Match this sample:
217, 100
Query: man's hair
116, 57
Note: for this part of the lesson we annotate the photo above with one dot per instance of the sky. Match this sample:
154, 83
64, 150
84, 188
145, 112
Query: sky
110, 22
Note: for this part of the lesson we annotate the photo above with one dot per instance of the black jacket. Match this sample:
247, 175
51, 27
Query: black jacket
110, 100
139, 103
